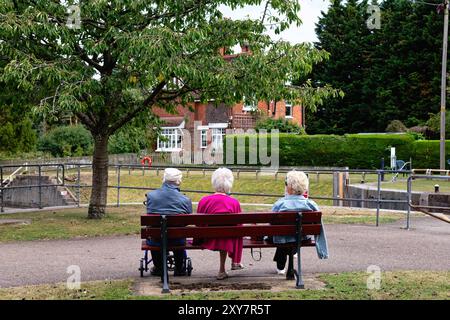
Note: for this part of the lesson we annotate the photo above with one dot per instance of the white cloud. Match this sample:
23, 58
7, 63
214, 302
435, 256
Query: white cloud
309, 14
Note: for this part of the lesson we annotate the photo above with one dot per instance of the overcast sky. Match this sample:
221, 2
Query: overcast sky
309, 14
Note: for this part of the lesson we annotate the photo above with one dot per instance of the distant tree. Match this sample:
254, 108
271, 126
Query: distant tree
386, 74
16, 126
128, 56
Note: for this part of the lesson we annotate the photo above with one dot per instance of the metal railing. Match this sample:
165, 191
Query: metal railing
409, 192
39, 186
313, 173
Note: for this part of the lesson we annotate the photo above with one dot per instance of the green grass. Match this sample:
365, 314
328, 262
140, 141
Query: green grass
398, 285
419, 185
72, 223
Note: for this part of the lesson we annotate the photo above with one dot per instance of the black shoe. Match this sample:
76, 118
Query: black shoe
290, 276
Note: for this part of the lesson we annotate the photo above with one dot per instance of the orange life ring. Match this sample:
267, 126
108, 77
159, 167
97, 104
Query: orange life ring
148, 160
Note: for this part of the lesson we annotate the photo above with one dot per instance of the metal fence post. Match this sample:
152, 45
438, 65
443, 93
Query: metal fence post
408, 212
118, 186
40, 186
1, 190
378, 197
78, 185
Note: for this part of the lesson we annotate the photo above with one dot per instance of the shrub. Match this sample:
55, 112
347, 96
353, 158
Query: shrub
425, 153
396, 126
282, 125
434, 123
128, 140
67, 141
356, 151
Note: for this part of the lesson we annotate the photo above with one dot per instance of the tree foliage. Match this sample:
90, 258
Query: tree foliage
282, 125
67, 141
392, 73
129, 56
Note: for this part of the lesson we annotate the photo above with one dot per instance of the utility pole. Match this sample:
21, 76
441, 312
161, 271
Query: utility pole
444, 86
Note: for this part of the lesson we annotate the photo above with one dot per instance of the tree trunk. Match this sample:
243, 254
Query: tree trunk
97, 204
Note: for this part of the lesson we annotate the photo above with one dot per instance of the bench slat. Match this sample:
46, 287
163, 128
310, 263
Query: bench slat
247, 244
237, 218
230, 231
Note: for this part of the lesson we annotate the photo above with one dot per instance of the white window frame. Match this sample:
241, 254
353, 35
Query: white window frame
217, 129
217, 136
175, 142
291, 107
203, 134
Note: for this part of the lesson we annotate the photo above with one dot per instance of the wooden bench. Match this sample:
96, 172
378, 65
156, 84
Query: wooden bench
250, 226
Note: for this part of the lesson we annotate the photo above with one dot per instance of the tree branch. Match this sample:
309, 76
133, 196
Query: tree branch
131, 114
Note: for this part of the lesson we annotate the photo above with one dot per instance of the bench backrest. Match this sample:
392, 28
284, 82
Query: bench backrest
254, 224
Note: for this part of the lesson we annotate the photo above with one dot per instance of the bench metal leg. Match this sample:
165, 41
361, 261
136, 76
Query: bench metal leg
165, 274
299, 284
299, 281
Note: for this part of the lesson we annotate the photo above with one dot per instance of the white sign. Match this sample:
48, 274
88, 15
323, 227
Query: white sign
393, 159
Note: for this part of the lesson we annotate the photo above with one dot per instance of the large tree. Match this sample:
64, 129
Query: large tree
391, 73
123, 57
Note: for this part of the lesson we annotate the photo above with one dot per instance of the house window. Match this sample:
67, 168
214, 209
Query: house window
249, 107
203, 139
217, 137
170, 139
288, 110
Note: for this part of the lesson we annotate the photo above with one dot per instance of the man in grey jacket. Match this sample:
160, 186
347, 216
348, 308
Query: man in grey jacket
169, 200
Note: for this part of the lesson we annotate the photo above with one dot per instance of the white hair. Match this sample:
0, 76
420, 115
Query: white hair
222, 180
172, 176
297, 181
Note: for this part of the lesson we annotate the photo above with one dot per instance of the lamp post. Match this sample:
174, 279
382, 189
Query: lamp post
444, 87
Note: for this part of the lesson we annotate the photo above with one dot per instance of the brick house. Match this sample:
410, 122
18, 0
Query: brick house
207, 123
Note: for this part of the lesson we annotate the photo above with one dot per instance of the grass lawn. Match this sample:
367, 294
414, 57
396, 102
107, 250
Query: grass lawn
419, 185
399, 285
71, 223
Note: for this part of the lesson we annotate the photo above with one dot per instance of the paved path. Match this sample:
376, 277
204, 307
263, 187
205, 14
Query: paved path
352, 248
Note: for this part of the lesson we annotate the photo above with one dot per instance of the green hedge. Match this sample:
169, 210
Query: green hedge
357, 151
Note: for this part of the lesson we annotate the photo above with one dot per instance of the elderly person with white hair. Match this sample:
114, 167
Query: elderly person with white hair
296, 189
169, 200
221, 202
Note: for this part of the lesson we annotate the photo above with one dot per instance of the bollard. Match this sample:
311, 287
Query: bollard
436, 188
